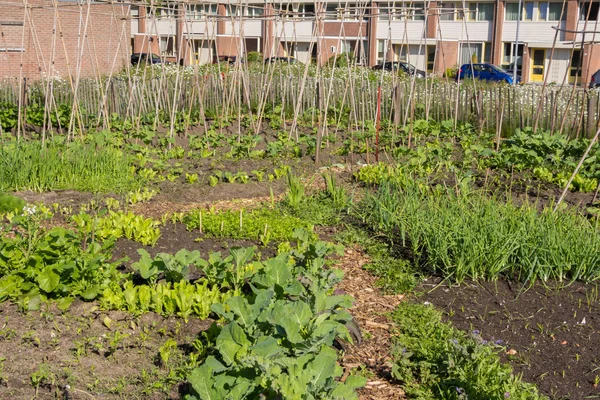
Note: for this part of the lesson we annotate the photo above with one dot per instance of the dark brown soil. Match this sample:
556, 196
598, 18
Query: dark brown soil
551, 335
75, 355
175, 237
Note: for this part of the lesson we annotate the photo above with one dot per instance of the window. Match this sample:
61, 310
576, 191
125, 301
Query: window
543, 11
508, 60
167, 45
446, 11
587, 12
344, 11
198, 11
430, 58
307, 10
575, 67
555, 12
471, 53
512, 12
233, 11
400, 52
384, 13
408, 11
528, 11
481, 12
550, 11
380, 51
476, 53
487, 52
254, 11
165, 12
416, 12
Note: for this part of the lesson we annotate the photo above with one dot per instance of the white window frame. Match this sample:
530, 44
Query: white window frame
469, 11
165, 52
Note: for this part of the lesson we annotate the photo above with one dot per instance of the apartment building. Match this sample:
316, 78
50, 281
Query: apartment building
555, 38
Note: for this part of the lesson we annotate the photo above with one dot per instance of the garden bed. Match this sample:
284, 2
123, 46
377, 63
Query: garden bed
550, 335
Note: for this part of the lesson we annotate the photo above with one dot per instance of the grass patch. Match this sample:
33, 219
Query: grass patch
434, 360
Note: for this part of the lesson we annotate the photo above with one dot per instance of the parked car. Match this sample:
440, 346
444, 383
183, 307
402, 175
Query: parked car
288, 60
485, 72
231, 60
400, 66
145, 58
595, 80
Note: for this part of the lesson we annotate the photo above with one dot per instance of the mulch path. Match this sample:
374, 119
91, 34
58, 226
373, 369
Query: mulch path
370, 311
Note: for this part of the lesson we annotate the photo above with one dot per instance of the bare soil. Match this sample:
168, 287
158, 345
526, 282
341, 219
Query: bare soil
551, 335
74, 355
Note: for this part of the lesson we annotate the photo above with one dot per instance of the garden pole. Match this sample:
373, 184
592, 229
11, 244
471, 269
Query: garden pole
564, 192
378, 121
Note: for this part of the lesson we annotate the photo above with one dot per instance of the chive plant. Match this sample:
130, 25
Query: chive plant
75, 165
474, 236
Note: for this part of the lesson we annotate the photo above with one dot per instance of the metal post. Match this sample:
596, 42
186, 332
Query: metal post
516, 49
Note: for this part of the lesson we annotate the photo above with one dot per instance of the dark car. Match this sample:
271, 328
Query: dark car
145, 58
400, 66
231, 60
287, 60
595, 80
485, 72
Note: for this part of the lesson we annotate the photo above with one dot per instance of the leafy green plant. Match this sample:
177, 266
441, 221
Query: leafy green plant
118, 224
295, 193
140, 196
245, 224
173, 268
434, 360
191, 178
336, 193
10, 203
38, 264
273, 346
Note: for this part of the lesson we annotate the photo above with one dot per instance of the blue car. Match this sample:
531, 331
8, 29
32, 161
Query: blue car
485, 72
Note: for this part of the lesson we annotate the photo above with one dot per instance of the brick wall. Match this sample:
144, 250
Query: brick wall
48, 41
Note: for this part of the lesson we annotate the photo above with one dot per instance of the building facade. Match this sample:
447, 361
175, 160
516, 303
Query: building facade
62, 39
555, 38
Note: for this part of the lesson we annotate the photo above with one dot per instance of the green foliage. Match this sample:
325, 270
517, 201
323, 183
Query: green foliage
277, 341
38, 264
174, 268
57, 165
9, 116
551, 157
396, 275
254, 56
342, 60
336, 193
140, 196
472, 236
10, 203
120, 224
433, 360
295, 192
181, 298
245, 224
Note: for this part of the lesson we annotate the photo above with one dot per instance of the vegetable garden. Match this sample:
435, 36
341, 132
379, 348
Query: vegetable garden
294, 243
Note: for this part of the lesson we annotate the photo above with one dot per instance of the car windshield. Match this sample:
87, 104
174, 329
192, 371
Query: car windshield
408, 68
497, 69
